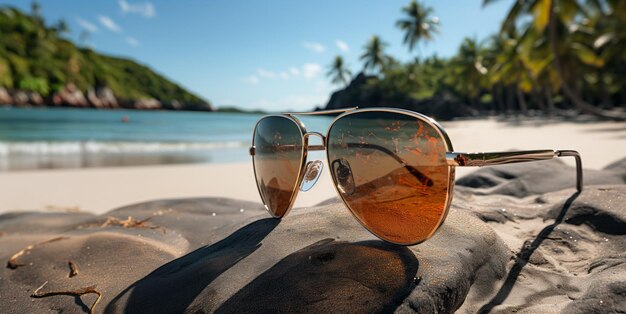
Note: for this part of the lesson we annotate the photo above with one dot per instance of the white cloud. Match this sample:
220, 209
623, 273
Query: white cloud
293, 102
294, 71
311, 70
109, 24
319, 90
146, 9
88, 26
322, 87
302, 102
253, 80
342, 45
313, 46
265, 73
132, 41
308, 71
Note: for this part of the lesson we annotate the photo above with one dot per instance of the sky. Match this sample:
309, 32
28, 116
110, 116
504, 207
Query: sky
269, 55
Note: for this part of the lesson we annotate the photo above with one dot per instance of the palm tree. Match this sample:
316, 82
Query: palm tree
418, 25
62, 27
470, 75
494, 49
539, 78
338, 72
374, 55
570, 92
549, 18
35, 9
610, 43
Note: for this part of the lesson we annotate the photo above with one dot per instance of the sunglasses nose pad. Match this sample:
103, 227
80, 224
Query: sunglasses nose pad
343, 173
312, 172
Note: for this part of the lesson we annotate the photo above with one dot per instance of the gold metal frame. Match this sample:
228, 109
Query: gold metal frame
500, 158
305, 143
454, 159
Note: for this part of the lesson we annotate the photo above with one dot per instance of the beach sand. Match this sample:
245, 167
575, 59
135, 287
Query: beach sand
185, 239
97, 190
503, 248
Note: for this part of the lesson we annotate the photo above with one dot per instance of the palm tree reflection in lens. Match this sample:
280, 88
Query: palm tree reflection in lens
277, 161
386, 195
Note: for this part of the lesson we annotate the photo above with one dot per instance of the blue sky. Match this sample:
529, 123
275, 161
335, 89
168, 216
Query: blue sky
270, 55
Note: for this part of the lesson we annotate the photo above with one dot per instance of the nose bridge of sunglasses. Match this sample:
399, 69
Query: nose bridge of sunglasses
319, 135
312, 173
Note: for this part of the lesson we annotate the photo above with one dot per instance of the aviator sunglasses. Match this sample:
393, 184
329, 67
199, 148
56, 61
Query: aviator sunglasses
393, 168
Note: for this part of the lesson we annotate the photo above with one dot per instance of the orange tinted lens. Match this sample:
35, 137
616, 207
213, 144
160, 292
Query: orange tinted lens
277, 161
391, 171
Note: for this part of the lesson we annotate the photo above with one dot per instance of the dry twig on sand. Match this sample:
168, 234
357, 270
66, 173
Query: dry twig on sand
73, 268
77, 292
14, 264
130, 222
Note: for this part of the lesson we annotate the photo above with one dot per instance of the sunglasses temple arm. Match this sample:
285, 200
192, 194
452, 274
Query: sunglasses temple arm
579, 165
498, 158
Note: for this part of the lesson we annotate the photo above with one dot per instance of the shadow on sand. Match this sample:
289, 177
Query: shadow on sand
172, 287
330, 276
523, 256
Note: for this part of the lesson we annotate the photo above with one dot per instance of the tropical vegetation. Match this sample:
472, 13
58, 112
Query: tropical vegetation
38, 58
550, 57
339, 72
373, 56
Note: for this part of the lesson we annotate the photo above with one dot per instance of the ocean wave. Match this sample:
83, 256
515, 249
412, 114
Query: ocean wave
94, 147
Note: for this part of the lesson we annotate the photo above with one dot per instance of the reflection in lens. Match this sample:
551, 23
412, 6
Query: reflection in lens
400, 178
277, 161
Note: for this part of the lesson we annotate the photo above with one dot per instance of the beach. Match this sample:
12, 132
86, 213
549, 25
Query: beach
195, 237
130, 131
189, 238
97, 190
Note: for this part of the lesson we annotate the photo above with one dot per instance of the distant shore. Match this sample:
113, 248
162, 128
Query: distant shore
95, 97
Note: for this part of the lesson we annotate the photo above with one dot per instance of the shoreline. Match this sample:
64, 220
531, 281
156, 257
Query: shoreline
42, 155
98, 190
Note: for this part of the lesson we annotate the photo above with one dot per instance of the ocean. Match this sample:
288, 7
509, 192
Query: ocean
46, 138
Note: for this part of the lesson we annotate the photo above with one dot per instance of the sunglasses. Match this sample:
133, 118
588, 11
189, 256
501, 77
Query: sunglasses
393, 169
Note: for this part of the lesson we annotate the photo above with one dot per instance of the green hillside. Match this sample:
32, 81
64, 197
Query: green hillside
35, 57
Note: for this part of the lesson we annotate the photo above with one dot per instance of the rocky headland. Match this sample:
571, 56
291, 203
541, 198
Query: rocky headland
39, 66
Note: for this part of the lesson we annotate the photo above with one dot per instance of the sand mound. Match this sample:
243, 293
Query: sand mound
517, 239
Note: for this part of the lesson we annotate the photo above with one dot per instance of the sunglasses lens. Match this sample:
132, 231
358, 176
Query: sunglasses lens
391, 171
277, 161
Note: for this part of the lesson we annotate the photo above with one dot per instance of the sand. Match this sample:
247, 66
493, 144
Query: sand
547, 249
101, 189
195, 238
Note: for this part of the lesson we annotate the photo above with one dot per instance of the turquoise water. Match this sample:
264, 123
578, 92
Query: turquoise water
34, 138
